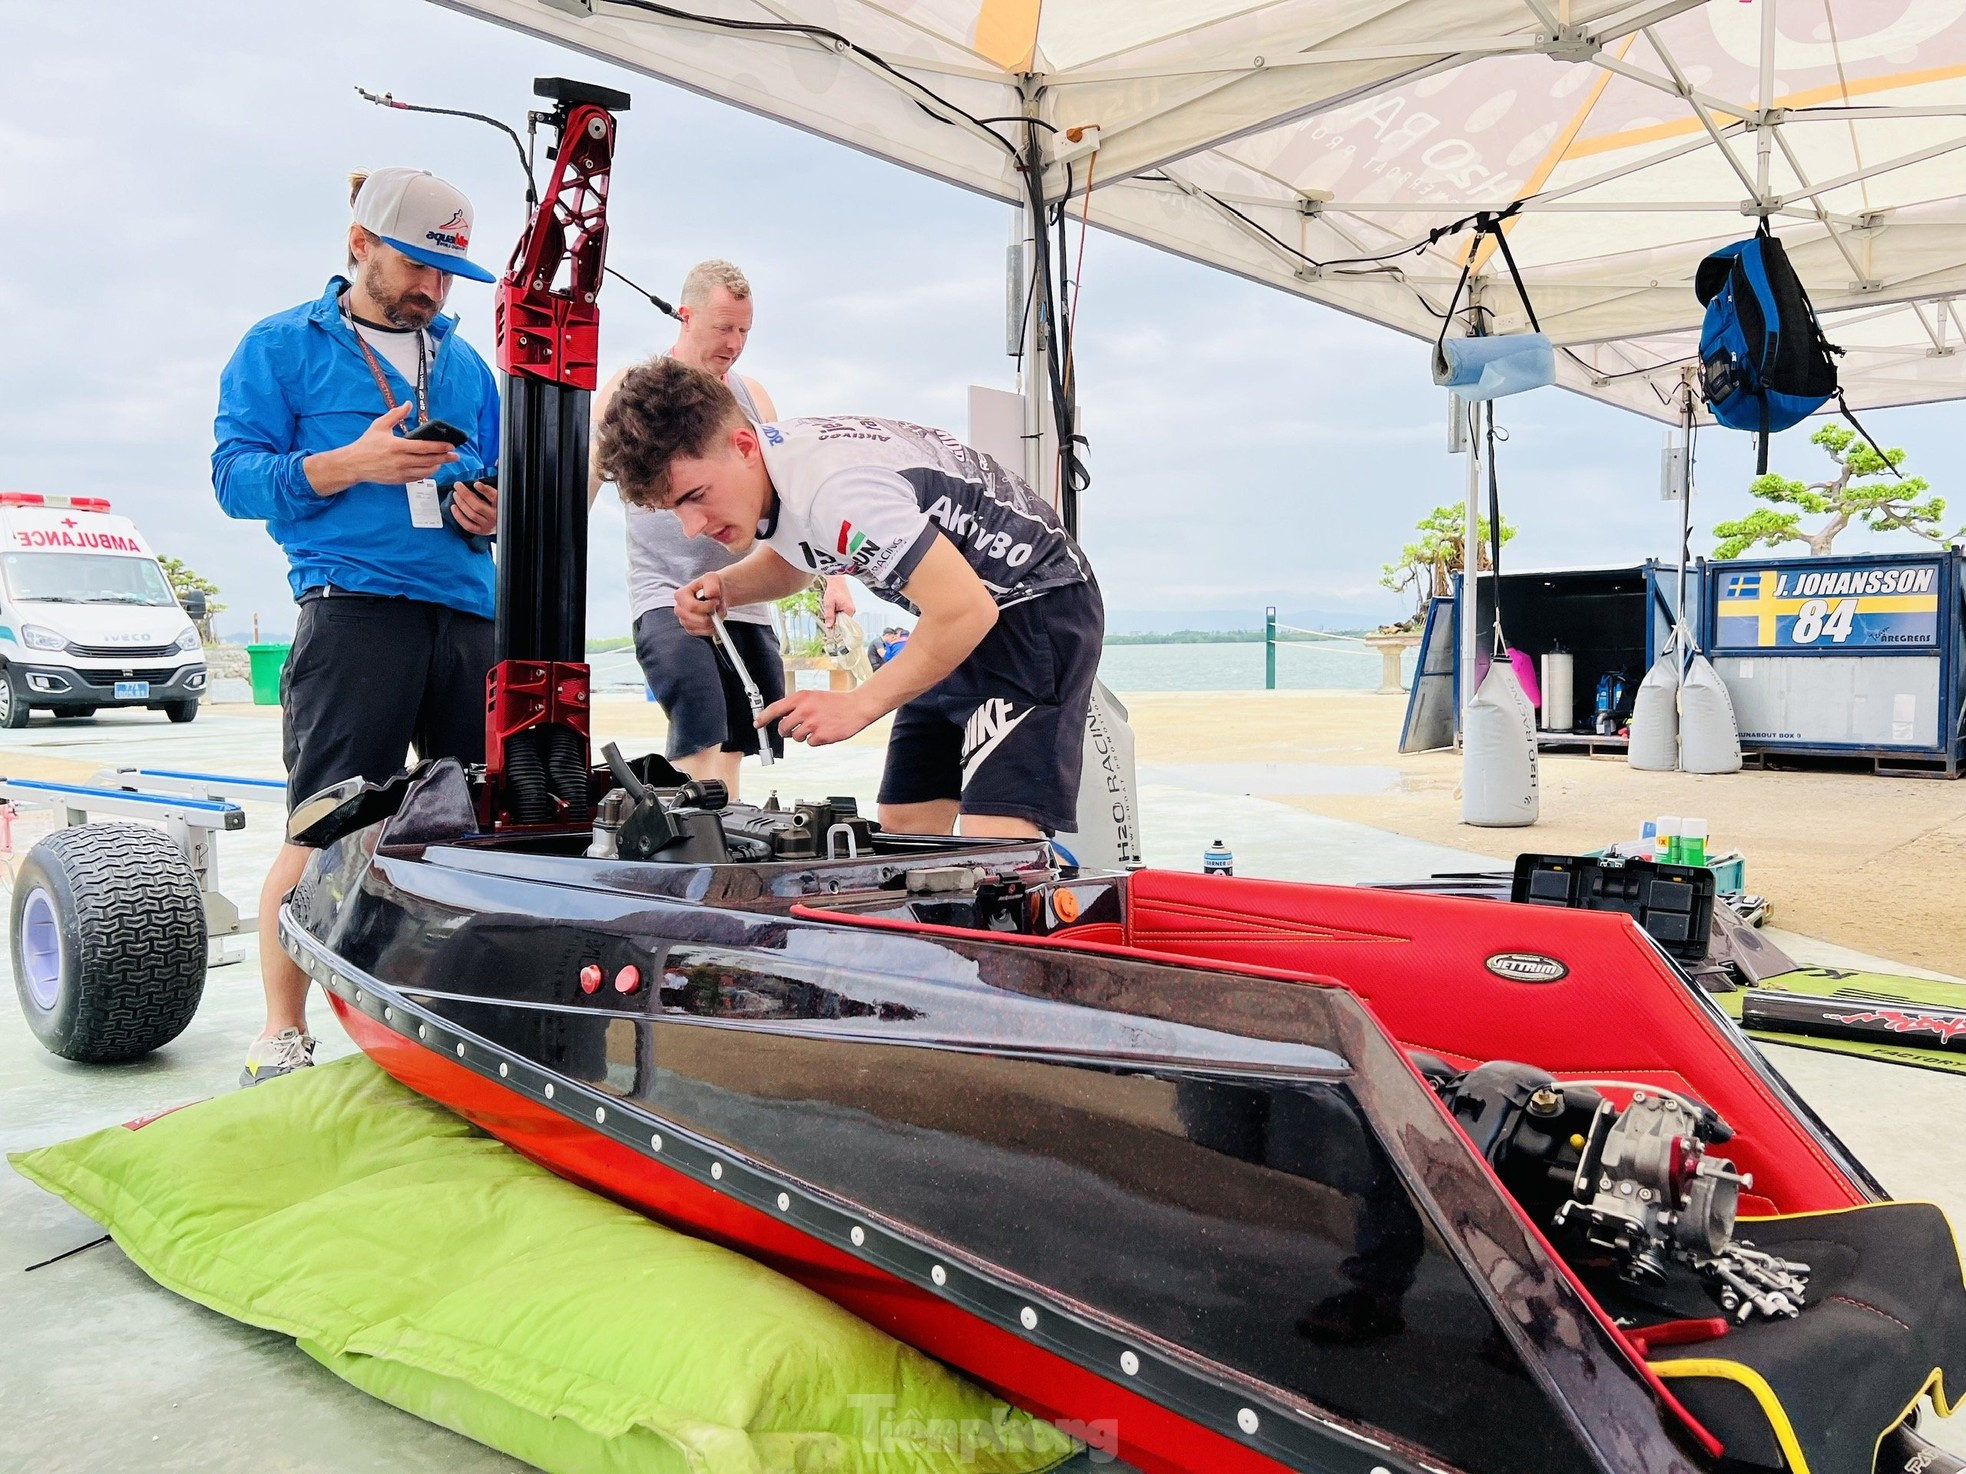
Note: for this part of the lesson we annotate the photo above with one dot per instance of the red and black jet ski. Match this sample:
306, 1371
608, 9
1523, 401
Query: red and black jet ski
1221, 1174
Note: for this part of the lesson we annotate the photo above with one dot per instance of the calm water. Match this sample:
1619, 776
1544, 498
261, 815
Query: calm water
1165, 668
1330, 667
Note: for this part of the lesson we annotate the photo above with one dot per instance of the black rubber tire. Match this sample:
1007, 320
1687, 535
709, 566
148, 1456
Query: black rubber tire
130, 923
181, 711
13, 700
73, 713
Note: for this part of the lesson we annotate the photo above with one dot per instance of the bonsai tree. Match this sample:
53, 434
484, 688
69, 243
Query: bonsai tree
185, 580
799, 615
1862, 490
1427, 567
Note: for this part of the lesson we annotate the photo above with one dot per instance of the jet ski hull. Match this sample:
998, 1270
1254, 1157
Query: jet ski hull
1210, 1220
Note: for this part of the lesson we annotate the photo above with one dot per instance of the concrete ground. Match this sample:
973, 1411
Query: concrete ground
100, 1369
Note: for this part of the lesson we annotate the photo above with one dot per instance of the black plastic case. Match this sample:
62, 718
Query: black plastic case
1673, 903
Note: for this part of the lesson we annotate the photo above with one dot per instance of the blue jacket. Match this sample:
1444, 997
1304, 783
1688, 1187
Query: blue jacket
297, 385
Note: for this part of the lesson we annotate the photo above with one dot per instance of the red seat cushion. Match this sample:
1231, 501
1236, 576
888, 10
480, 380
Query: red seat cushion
1419, 962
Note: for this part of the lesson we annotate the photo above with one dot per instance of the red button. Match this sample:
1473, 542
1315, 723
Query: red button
628, 979
590, 978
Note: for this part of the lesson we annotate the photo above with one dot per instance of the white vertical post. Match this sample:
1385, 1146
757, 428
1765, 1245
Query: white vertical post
1764, 130
1040, 435
1470, 561
1685, 510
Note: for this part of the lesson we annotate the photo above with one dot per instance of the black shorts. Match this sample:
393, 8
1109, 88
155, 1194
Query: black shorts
1005, 731
698, 689
369, 678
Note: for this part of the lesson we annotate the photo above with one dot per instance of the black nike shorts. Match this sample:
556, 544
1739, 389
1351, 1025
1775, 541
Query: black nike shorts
369, 678
1005, 731
698, 688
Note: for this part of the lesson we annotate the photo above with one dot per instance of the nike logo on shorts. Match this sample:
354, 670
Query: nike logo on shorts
986, 730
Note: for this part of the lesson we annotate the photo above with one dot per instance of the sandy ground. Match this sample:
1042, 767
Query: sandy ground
1875, 864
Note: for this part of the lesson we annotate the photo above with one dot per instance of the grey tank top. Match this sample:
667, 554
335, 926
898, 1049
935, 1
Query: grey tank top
662, 560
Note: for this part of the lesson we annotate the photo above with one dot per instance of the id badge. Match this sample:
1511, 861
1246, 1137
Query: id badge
426, 510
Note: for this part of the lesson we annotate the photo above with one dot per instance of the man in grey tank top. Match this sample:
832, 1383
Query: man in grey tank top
710, 729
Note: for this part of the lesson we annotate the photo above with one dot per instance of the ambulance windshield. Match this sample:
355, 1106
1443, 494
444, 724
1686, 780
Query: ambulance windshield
85, 578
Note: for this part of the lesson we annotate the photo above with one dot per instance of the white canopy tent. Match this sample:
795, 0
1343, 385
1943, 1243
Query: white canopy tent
1312, 144
1340, 150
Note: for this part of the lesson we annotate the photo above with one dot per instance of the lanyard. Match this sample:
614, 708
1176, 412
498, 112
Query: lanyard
382, 383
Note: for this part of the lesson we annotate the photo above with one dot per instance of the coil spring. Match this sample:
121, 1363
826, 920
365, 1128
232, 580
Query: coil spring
525, 779
566, 772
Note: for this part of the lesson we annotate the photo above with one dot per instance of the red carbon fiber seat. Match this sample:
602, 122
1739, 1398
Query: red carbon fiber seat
1419, 962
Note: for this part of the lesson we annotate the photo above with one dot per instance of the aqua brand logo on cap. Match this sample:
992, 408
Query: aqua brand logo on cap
422, 216
454, 234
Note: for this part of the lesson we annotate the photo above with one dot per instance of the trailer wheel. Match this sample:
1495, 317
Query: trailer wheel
108, 941
13, 699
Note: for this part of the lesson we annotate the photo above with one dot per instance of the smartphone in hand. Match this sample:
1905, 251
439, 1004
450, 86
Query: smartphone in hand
479, 542
438, 430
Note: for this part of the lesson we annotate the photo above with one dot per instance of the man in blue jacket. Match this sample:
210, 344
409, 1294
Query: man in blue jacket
387, 535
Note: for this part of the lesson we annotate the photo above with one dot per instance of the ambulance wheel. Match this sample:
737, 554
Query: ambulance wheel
13, 700
73, 713
108, 941
181, 711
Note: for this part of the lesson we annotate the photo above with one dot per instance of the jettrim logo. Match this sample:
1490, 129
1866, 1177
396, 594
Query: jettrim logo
1526, 967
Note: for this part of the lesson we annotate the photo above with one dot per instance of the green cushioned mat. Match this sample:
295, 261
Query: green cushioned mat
434, 1267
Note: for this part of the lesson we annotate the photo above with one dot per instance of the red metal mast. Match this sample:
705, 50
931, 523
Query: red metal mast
548, 332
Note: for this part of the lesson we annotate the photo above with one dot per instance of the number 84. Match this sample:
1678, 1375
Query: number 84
1819, 617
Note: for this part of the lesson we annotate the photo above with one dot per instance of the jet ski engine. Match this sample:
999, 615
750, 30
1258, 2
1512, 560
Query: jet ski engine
1634, 1190
653, 815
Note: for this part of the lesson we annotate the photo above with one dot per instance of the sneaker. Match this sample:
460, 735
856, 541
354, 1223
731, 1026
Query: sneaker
285, 1052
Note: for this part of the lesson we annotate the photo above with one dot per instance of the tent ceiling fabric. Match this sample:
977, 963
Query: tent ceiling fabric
1285, 140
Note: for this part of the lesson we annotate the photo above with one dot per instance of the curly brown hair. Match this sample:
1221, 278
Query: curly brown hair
662, 410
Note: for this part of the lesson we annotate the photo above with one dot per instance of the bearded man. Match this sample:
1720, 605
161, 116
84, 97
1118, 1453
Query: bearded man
363, 431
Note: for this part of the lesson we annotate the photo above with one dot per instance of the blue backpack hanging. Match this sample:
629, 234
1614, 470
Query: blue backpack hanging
1765, 364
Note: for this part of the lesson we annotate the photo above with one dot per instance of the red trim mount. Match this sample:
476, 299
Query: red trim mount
548, 328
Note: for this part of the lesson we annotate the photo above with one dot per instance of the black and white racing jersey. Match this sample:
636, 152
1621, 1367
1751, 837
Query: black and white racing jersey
867, 497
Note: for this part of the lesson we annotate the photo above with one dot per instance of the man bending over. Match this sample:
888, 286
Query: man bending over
990, 692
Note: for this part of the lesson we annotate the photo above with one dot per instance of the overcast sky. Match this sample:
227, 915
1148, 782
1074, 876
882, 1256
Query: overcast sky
174, 173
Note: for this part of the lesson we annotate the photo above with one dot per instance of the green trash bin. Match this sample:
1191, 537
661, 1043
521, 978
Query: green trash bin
268, 662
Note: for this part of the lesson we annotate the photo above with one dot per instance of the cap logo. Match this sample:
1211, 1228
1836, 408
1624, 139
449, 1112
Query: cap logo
453, 234
1525, 967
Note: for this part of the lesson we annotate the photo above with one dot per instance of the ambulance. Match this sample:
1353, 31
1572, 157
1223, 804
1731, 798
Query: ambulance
87, 618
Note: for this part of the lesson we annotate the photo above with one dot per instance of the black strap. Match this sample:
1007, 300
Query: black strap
1869, 439
1488, 225
1447, 317
1761, 441
1508, 256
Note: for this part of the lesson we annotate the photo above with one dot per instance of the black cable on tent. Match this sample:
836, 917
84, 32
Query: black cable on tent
834, 41
385, 99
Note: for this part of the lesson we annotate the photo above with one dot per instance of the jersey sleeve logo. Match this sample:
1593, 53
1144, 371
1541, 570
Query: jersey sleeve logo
850, 541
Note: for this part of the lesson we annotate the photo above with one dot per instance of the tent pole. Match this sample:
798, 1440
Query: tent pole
1040, 436
1685, 508
1470, 565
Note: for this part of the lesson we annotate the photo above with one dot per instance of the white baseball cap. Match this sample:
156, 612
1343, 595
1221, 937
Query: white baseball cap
421, 216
